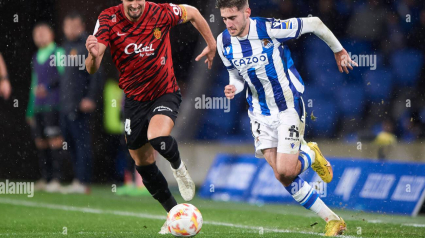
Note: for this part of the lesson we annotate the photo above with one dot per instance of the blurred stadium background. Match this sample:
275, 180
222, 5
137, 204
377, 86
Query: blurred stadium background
374, 113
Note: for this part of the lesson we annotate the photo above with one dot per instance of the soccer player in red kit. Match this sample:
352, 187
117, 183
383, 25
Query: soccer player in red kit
137, 32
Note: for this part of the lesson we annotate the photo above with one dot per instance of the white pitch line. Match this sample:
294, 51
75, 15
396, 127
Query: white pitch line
414, 225
402, 224
147, 216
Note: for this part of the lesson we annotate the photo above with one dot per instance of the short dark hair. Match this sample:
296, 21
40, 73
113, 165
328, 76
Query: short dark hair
43, 23
74, 15
239, 4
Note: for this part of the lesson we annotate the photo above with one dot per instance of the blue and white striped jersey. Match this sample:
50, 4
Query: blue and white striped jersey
263, 61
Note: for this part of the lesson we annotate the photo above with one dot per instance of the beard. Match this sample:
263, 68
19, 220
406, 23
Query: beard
134, 16
241, 31
239, 34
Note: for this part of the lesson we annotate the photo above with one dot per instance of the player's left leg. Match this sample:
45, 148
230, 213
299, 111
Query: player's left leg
159, 131
291, 161
162, 119
286, 168
159, 137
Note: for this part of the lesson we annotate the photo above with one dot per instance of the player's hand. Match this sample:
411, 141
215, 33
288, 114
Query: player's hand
92, 46
87, 105
41, 91
229, 91
344, 62
5, 89
210, 53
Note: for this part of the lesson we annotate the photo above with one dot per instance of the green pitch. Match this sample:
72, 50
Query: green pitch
104, 214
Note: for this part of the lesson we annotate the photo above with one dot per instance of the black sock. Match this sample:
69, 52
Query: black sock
56, 156
169, 204
44, 162
167, 147
157, 186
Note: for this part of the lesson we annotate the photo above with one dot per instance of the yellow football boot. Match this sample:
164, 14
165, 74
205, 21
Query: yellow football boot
335, 227
322, 167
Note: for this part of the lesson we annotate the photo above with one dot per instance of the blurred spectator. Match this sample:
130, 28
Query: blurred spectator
114, 125
410, 127
43, 106
287, 9
79, 91
5, 88
395, 37
368, 22
329, 15
385, 138
382, 23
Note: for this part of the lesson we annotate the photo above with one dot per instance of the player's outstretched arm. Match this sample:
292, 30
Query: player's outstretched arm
316, 26
96, 51
198, 21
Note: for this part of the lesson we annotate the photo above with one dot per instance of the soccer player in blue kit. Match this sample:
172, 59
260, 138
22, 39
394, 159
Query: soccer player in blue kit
253, 50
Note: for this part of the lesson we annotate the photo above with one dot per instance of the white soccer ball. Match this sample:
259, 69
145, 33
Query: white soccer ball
184, 220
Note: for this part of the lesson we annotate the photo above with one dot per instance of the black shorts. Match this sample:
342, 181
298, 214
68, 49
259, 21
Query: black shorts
46, 125
138, 115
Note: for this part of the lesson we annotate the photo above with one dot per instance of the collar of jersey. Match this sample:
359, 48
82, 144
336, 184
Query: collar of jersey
141, 17
247, 36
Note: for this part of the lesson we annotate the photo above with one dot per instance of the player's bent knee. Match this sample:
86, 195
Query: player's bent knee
285, 174
152, 134
283, 179
143, 156
160, 125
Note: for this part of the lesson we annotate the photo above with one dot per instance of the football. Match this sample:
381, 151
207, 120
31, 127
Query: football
184, 220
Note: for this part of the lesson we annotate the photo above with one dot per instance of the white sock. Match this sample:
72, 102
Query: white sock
320, 208
306, 149
307, 156
307, 196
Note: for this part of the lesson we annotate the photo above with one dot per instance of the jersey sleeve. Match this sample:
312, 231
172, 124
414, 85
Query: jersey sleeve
175, 14
220, 49
234, 77
283, 30
102, 28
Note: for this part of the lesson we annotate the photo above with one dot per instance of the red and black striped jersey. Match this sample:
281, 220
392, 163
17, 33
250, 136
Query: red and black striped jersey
141, 50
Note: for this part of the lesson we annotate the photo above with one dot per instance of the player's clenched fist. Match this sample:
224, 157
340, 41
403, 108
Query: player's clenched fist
92, 46
229, 91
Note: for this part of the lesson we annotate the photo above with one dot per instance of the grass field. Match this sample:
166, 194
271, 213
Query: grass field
103, 214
